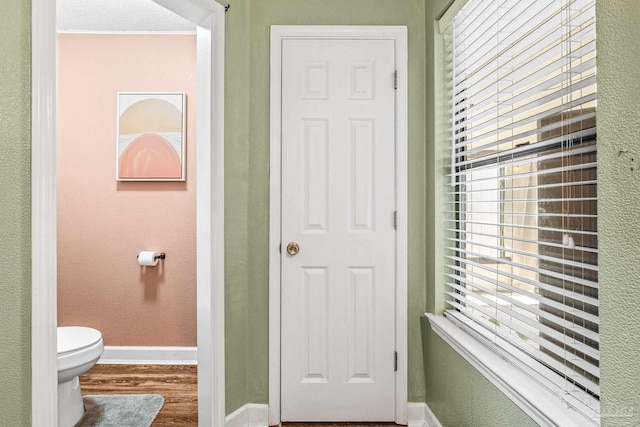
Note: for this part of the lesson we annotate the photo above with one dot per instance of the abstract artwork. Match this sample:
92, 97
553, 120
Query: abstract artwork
151, 137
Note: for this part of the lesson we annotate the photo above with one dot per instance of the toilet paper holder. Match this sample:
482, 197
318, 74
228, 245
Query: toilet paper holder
161, 256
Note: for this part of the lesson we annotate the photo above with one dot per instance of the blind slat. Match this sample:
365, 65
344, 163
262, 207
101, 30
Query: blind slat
507, 326
524, 304
470, 180
551, 143
528, 241
546, 272
563, 230
530, 187
480, 118
547, 287
489, 105
464, 129
480, 302
475, 144
470, 38
473, 43
528, 160
545, 50
566, 262
559, 306
544, 76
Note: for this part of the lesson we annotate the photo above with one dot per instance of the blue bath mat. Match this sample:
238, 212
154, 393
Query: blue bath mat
120, 410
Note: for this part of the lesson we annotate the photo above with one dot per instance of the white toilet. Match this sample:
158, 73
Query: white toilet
79, 348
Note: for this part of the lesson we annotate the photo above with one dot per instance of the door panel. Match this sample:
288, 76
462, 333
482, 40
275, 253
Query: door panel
338, 201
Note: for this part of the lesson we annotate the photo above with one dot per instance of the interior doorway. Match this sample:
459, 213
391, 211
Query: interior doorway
208, 16
346, 167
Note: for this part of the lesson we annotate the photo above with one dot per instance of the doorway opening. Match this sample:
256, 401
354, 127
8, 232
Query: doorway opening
316, 86
208, 17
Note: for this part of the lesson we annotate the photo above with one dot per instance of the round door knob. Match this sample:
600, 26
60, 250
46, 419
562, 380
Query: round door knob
293, 248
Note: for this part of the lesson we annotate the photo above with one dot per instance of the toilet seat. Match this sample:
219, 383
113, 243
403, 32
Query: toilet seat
76, 338
79, 348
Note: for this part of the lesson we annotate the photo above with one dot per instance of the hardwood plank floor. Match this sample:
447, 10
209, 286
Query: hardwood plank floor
292, 424
176, 383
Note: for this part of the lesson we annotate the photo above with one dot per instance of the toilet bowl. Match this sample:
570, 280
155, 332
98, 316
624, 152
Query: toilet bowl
79, 348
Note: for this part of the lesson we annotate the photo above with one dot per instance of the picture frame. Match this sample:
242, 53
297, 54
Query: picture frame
151, 136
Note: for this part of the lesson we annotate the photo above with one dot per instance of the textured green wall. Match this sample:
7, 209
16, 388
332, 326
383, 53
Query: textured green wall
247, 179
459, 395
237, 219
15, 199
618, 30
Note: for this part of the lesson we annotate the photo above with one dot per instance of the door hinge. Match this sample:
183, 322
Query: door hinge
395, 361
395, 220
280, 247
395, 79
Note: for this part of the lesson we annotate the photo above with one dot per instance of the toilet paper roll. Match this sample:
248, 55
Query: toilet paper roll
148, 258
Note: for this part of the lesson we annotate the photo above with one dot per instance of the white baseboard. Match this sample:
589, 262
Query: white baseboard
123, 355
249, 415
420, 415
257, 415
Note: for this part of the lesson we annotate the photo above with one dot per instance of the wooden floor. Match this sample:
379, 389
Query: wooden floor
339, 425
176, 383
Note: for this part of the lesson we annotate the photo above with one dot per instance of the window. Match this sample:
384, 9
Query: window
522, 245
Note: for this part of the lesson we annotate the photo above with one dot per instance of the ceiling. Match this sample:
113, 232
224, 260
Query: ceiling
108, 16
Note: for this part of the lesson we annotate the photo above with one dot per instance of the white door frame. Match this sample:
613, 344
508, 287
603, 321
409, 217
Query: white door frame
399, 35
209, 17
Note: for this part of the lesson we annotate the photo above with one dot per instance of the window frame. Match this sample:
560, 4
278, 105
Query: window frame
510, 373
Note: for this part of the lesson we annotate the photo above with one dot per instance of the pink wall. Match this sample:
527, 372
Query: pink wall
103, 224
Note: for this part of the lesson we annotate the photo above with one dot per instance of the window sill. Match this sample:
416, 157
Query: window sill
514, 379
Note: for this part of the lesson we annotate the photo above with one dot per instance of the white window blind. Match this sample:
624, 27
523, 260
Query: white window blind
522, 246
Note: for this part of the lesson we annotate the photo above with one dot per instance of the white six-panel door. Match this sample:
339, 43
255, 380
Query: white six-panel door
338, 203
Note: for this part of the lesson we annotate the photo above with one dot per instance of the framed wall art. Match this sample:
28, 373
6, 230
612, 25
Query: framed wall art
151, 137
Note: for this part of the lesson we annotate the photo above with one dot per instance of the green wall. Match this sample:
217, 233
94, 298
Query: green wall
448, 377
247, 179
238, 345
15, 199
618, 30
459, 395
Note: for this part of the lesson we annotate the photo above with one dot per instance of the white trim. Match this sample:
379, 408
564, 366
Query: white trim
44, 370
449, 14
542, 405
415, 414
145, 355
249, 415
430, 418
420, 415
127, 33
399, 35
209, 16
